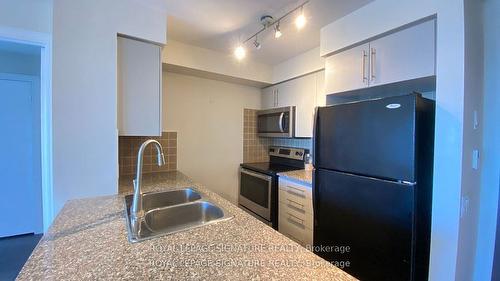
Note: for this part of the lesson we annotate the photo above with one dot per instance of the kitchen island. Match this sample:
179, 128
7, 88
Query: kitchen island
88, 241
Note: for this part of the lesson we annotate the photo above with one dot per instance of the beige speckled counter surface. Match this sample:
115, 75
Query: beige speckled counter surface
88, 241
304, 176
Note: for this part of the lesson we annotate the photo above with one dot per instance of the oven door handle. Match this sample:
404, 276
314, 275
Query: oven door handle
253, 174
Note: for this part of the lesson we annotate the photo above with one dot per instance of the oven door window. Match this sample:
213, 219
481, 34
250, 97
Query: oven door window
255, 189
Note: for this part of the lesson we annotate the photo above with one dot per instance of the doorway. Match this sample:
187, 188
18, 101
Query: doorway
20, 143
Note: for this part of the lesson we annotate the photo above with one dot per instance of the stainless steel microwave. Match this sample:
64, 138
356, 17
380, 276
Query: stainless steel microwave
276, 122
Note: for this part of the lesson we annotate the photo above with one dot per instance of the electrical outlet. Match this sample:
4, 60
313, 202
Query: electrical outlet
476, 121
475, 159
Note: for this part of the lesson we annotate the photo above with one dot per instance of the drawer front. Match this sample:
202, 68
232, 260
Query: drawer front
298, 196
291, 227
298, 215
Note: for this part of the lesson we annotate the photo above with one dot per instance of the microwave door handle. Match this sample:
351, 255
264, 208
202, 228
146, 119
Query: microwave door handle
282, 130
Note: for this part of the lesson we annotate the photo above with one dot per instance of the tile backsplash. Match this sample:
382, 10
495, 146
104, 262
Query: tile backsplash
256, 149
129, 147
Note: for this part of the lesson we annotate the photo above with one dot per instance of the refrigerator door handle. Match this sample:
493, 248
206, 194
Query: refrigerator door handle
407, 182
315, 131
315, 196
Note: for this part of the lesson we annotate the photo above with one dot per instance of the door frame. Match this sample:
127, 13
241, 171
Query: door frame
44, 41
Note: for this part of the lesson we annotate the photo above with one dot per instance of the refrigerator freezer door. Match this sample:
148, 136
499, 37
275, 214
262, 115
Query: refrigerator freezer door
373, 138
373, 217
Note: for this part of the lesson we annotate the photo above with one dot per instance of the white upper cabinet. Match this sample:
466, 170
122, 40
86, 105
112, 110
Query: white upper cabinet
403, 55
302, 93
139, 88
269, 97
347, 70
320, 89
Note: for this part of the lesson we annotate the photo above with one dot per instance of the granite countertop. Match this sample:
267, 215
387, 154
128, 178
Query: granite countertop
304, 176
88, 241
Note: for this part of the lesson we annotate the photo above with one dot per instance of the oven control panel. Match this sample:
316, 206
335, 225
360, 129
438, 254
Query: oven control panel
288, 152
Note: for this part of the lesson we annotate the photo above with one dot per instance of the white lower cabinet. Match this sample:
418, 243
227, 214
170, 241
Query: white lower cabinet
295, 211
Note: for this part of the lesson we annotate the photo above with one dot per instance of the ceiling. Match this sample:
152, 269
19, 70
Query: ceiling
221, 24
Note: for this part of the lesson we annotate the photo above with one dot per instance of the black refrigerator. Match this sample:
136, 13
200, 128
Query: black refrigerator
372, 182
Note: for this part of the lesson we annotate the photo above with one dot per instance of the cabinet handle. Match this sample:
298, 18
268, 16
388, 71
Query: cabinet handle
295, 205
299, 222
363, 68
296, 191
277, 97
373, 55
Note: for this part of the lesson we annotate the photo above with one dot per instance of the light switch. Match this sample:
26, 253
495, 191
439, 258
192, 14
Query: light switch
476, 120
475, 159
464, 206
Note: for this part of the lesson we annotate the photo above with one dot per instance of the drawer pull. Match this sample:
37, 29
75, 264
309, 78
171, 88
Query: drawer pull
295, 205
296, 189
294, 193
297, 221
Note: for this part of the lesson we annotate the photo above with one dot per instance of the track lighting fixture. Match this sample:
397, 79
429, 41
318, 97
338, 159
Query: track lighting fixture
268, 22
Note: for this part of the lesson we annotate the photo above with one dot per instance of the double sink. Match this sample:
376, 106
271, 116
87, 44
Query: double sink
173, 211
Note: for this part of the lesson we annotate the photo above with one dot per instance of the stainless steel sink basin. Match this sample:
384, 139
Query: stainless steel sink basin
154, 200
174, 211
186, 216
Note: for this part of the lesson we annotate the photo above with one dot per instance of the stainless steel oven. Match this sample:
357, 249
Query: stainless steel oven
276, 122
255, 192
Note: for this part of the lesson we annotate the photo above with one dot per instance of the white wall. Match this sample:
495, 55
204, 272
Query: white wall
180, 54
34, 15
208, 116
491, 144
301, 64
85, 138
472, 137
374, 19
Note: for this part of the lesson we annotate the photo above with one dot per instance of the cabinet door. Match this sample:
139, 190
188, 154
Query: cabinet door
320, 89
305, 96
301, 93
286, 93
404, 55
347, 70
268, 97
139, 88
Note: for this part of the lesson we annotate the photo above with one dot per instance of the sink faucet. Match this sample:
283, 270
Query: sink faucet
136, 211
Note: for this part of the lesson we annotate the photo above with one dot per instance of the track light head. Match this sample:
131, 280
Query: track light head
277, 31
256, 44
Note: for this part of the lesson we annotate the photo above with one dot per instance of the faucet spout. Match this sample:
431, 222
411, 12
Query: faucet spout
136, 210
